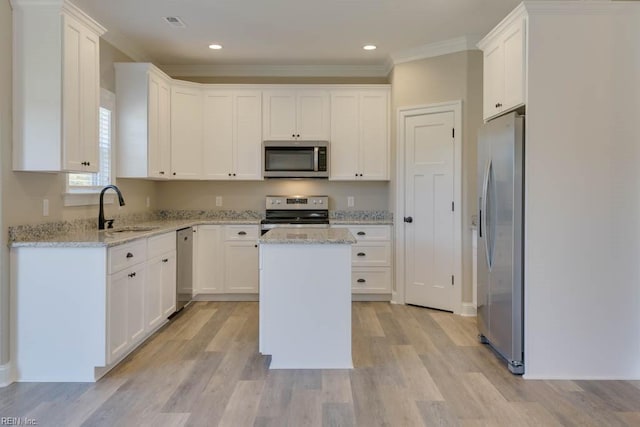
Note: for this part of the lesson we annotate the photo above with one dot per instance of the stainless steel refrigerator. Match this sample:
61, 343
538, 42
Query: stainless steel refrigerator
500, 237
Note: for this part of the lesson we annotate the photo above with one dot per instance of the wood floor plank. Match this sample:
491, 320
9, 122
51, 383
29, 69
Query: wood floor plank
337, 415
243, 404
369, 323
418, 382
336, 386
457, 329
226, 334
437, 414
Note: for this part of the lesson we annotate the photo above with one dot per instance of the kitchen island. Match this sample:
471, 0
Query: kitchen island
305, 298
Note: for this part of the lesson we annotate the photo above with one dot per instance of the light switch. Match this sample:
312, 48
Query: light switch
45, 207
218, 200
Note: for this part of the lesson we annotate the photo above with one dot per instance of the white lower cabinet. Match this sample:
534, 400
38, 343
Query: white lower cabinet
142, 295
226, 259
370, 259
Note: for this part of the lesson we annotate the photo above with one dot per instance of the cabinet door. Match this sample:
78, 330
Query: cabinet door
374, 135
208, 260
312, 115
90, 98
168, 284
186, 133
81, 97
117, 294
135, 304
345, 135
514, 65
493, 69
241, 273
153, 308
247, 152
218, 134
159, 128
279, 120
71, 96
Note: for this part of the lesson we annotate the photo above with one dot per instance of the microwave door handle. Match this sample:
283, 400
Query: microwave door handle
315, 158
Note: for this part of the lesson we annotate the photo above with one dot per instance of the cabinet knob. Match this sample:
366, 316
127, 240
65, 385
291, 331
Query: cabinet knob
255, 246
361, 254
360, 174
229, 173
132, 275
361, 281
129, 255
408, 219
293, 135
161, 172
356, 174
174, 173
298, 136
165, 260
361, 233
88, 163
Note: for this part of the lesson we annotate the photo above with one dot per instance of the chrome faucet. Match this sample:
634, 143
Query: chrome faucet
101, 219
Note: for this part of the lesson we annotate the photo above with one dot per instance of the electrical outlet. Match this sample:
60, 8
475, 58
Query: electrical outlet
350, 202
218, 201
148, 201
45, 207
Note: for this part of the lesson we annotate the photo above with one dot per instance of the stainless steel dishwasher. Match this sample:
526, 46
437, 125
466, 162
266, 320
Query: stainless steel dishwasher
184, 269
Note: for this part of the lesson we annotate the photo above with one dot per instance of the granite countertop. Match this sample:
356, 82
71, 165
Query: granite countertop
111, 237
83, 232
308, 236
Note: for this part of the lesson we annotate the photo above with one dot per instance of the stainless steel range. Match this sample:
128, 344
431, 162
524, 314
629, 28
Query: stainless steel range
296, 211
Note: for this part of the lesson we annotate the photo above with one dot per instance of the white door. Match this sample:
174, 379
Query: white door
218, 134
186, 133
429, 185
247, 127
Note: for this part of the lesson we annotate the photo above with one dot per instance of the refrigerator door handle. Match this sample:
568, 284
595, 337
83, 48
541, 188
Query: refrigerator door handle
483, 207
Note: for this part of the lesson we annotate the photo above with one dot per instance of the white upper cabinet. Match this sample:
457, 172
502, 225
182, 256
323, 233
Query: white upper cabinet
296, 114
360, 134
232, 134
56, 87
187, 132
504, 67
143, 97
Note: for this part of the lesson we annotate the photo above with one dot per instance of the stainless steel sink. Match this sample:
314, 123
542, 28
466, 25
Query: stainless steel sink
132, 228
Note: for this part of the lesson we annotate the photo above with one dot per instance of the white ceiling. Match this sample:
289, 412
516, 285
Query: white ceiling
303, 33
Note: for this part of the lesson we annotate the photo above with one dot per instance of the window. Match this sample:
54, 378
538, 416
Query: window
82, 188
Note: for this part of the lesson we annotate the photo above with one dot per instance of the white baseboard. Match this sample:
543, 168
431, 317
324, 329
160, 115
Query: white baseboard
371, 297
469, 310
226, 297
6, 375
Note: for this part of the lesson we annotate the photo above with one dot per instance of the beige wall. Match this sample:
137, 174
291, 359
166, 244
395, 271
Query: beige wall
5, 156
250, 195
452, 77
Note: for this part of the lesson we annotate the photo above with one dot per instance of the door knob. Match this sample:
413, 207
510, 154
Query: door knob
408, 219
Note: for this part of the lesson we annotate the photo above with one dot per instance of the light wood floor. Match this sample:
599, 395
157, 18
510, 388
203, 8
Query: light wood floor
413, 366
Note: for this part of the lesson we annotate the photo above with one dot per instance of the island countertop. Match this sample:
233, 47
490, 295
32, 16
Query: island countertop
309, 236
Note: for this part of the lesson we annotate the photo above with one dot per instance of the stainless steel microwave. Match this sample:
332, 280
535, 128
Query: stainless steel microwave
296, 159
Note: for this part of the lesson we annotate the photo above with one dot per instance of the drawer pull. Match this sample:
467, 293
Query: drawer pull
129, 255
361, 233
361, 281
361, 254
165, 260
242, 233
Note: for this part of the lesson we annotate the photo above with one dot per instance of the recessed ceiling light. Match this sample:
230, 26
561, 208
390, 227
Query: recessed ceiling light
215, 46
369, 47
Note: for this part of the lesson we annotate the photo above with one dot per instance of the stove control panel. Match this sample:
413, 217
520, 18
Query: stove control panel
297, 202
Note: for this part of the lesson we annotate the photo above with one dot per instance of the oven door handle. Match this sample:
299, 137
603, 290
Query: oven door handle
315, 158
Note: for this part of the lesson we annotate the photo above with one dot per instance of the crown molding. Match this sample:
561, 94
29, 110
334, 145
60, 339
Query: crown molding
126, 46
256, 70
431, 50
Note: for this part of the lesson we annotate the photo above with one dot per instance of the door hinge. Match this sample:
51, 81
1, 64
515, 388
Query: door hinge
453, 132
452, 280
453, 206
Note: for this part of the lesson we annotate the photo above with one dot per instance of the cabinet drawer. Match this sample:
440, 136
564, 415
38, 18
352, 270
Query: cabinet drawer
240, 232
371, 254
158, 245
121, 257
374, 280
371, 232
